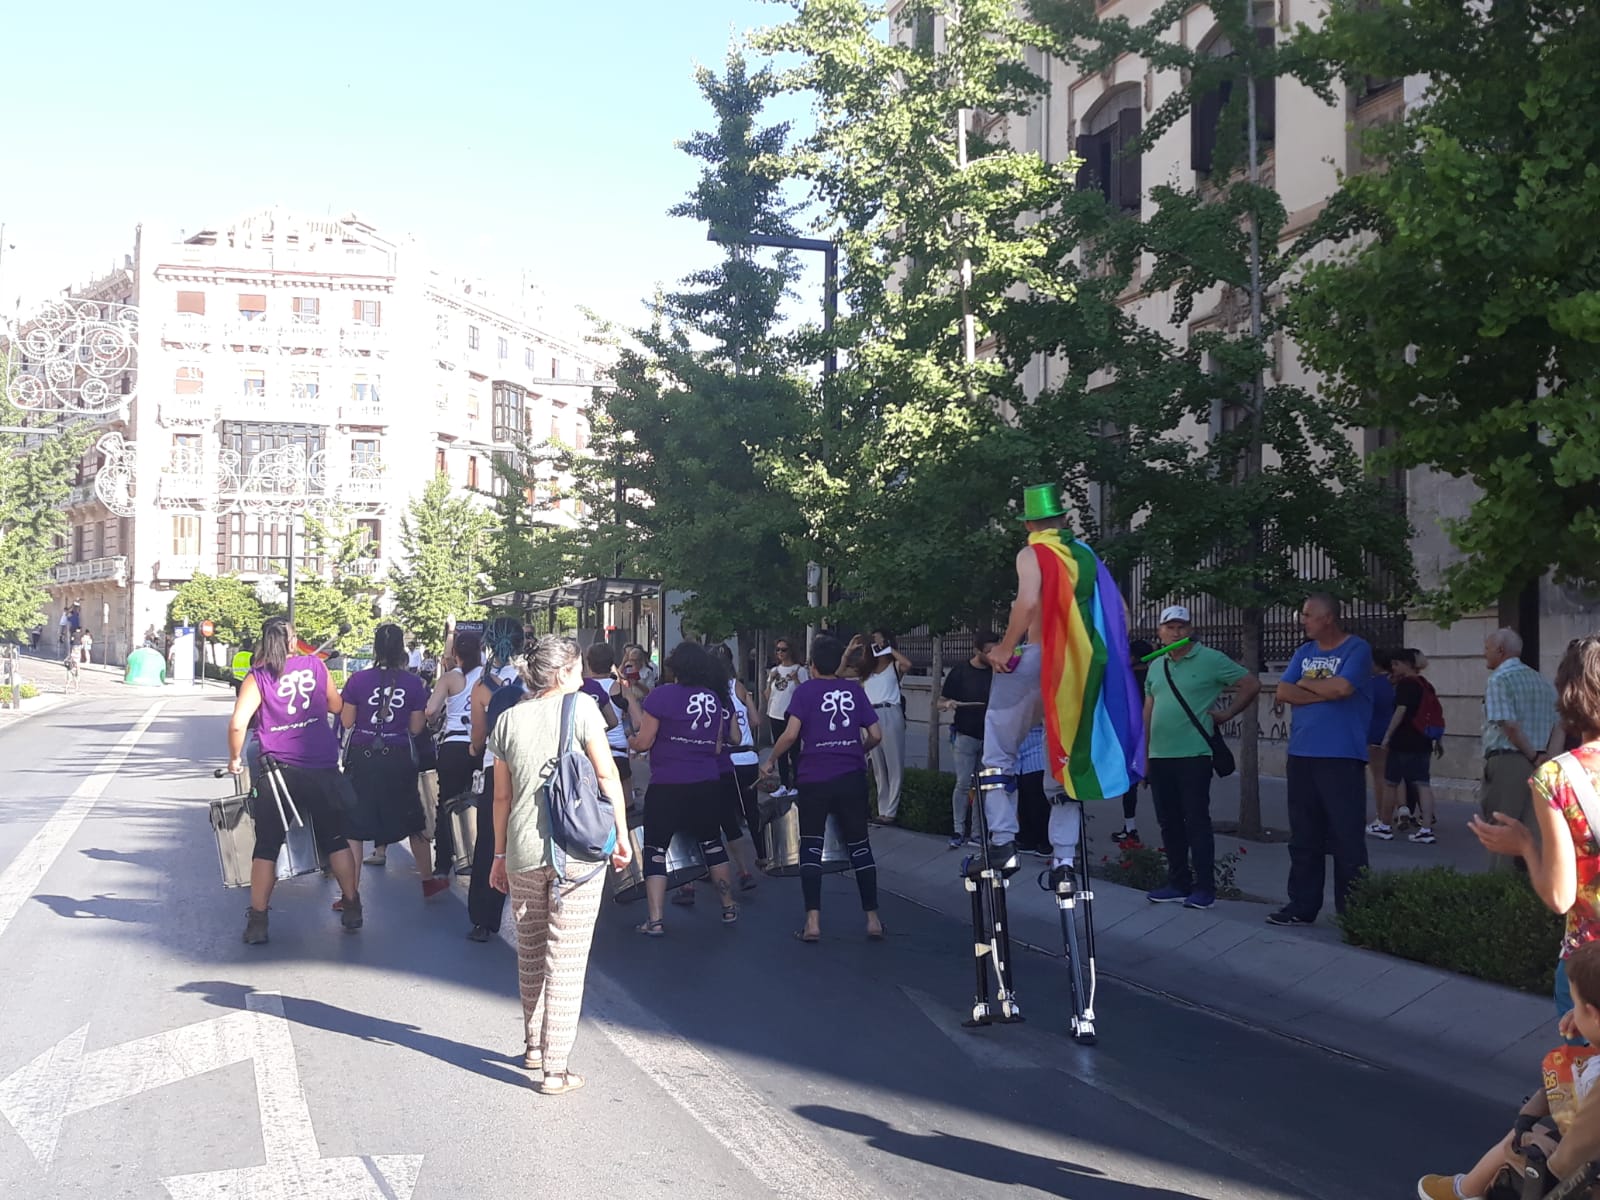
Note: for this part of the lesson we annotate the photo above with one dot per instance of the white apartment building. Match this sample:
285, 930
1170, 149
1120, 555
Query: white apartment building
1307, 146
281, 360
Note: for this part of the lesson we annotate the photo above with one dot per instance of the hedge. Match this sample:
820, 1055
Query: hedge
28, 692
1490, 925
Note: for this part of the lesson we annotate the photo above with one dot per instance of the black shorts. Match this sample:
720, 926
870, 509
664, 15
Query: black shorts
624, 767
321, 795
673, 808
1408, 766
388, 805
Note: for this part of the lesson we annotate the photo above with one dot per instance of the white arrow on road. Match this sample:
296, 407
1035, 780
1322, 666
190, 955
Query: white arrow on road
64, 1081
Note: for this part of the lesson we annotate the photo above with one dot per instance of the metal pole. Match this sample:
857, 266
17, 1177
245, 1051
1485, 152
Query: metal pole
969, 330
290, 571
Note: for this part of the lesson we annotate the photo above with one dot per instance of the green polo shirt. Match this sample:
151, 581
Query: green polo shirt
1202, 675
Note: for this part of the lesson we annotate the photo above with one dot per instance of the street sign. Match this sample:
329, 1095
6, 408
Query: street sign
207, 629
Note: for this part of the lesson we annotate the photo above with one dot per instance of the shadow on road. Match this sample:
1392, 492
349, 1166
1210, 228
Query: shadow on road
104, 907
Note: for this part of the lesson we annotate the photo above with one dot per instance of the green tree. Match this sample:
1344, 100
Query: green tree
445, 540
1276, 485
34, 480
227, 601
1464, 311
708, 389
910, 464
346, 595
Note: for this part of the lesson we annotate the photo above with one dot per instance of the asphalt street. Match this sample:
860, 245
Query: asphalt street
146, 1052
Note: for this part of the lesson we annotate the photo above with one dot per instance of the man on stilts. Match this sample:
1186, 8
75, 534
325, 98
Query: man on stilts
1074, 672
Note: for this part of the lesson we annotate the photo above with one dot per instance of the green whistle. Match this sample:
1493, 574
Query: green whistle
1155, 654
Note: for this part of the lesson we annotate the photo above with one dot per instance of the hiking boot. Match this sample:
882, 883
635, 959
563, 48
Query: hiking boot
255, 927
350, 913
1166, 895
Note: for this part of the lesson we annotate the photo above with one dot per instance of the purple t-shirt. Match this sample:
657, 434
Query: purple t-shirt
384, 705
832, 713
685, 749
293, 721
598, 690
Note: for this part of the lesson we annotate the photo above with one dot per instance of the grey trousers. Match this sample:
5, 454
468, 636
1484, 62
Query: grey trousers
888, 759
1016, 705
968, 751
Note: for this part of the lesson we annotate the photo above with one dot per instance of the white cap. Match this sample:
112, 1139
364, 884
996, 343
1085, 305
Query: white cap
1174, 612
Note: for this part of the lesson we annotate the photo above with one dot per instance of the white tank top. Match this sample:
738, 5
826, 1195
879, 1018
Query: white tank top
742, 758
883, 687
458, 708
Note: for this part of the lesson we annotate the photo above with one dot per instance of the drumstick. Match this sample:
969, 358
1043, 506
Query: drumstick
1155, 654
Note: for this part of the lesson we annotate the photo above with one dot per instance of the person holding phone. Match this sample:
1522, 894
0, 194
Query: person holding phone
880, 672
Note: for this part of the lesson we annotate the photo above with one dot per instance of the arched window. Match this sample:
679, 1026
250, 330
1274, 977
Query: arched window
1106, 146
1206, 118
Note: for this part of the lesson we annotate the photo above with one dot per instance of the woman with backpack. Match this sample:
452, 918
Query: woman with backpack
383, 710
554, 911
1415, 725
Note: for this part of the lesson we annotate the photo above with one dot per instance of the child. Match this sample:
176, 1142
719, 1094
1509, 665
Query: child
1569, 1076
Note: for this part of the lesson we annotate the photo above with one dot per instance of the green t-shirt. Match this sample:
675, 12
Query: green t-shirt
1202, 675
525, 739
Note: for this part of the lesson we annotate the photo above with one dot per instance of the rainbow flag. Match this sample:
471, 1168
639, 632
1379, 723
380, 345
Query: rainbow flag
1093, 713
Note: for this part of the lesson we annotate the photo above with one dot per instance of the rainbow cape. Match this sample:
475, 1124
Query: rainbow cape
1093, 713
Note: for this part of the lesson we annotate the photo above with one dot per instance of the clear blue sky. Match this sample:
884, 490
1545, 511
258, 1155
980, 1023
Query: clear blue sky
508, 135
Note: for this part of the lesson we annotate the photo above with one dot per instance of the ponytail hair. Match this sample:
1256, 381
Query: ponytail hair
272, 652
389, 647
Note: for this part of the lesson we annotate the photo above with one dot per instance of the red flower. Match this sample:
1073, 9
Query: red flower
1126, 865
1242, 850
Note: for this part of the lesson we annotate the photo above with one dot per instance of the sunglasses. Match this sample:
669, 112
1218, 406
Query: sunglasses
783, 649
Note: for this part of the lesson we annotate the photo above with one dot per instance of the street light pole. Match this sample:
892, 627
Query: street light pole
817, 584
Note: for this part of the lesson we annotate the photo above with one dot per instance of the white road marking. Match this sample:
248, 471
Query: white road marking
64, 1081
776, 1152
20, 879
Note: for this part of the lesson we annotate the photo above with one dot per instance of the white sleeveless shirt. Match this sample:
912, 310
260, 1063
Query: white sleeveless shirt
458, 708
742, 758
883, 687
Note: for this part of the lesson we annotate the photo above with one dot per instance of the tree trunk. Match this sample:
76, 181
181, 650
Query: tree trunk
1250, 735
936, 674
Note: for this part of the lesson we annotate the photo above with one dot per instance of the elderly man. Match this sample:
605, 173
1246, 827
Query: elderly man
1326, 685
1179, 722
1519, 717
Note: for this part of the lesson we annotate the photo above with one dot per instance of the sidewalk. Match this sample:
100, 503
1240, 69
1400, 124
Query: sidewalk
1303, 983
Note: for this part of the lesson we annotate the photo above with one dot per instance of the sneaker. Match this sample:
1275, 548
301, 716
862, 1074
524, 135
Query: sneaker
1002, 856
1200, 900
350, 913
255, 927
432, 887
1285, 916
478, 934
957, 841
1166, 895
1423, 836
1379, 830
1126, 837
1442, 1187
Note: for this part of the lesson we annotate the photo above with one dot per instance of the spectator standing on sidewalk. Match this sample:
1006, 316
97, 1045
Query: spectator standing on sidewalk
1179, 753
776, 693
1326, 685
880, 667
1408, 749
965, 693
1519, 716
1128, 835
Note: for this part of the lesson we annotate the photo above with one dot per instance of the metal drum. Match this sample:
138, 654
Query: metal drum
685, 864
782, 844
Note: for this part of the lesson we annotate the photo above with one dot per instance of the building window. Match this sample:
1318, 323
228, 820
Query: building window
77, 543
527, 357
364, 453
508, 401
363, 390
472, 470
472, 406
307, 309
304, 386
260, 545
1110, 161
252, 306
192, 302
1205, 122
472, 337
371, 531
369, 312
248, 439
191, 381
440, 466
502, 349
255, 383
555, 368
186, 537
186, 452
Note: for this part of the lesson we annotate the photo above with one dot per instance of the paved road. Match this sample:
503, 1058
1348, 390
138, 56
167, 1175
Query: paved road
145, 1052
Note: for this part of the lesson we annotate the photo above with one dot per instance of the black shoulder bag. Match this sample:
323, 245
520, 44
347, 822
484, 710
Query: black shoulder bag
1222, 764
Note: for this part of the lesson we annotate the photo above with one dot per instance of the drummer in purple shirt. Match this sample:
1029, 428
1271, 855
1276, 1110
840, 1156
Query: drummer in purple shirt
836, 726
294, 696
684, 724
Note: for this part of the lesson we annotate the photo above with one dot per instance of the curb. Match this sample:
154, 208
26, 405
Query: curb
41, 703
1304, 984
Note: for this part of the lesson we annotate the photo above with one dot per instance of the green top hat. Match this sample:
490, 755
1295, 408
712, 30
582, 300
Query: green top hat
1042, 501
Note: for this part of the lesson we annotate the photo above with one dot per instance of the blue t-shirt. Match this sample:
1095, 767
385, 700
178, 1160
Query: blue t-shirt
1382, 708
1333, 728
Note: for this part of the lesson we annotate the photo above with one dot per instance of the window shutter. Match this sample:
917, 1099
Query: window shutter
192, 302
1203, 126
1129, 194
252, 303
1084, 149
1266, 91
356, 315
377, 312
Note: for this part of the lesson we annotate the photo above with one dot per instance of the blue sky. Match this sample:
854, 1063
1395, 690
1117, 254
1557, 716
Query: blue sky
533, 136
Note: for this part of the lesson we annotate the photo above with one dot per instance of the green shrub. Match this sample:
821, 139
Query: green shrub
1490, 925
1146, 869
29, 691
924, 800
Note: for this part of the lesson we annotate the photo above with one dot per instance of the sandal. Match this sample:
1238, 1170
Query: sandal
800, 935
747, 882
652, 929
338, 905
730, 914
560, 1085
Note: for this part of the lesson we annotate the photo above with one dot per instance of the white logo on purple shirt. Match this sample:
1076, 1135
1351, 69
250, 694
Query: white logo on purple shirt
297, 685
702, 704
838, 705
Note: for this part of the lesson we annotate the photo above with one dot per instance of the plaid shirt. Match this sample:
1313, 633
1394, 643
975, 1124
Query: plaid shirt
1030, 757
1516, 692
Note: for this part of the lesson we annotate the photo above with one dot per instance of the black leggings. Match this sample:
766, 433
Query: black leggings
456, 765
845, 800
787, 763
739, 803
674, 808
321, 795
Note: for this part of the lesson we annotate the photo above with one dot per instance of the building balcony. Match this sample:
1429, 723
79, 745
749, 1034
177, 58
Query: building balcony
178, 567
187, 484
113, 567
361, 336
367, 568
187, 410
188, 329
80, 495
363, 412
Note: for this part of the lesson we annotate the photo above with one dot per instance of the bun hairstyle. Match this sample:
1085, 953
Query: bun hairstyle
542, 666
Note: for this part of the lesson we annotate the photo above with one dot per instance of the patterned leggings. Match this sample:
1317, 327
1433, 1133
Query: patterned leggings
553, 957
